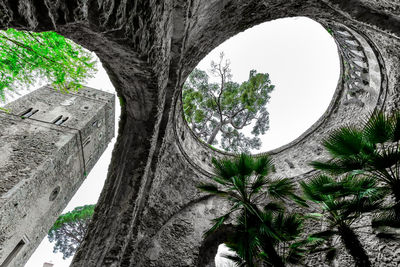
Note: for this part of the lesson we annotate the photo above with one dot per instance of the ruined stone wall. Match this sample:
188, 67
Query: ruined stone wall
357, 94
150, 212
43, 164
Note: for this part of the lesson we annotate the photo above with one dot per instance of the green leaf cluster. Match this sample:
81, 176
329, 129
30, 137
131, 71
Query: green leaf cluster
69, 230
257, 207
363, 170
27, 57
225, 108
372, 150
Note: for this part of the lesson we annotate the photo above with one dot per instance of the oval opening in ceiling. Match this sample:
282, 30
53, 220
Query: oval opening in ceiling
303, 64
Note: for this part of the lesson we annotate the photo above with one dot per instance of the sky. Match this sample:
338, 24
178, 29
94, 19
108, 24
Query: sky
302, 61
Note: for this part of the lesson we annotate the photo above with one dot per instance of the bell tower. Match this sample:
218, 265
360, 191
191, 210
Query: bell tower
49, 142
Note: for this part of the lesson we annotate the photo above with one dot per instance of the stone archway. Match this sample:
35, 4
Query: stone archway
148, 47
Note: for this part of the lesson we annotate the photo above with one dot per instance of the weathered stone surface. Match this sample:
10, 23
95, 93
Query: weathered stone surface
43, 164
149, 204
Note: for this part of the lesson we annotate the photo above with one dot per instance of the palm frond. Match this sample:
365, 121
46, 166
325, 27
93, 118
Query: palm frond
281, 188
299, 200
245, 164
273, 207
387, 158
235, 259
217, 223
224, 169
316, 188
344, 142
222, 181
212, 189
396, 127
263, 165
258, 184
289, 226
378, 128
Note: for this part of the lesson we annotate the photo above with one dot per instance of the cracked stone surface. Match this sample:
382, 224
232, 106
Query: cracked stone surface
150, 212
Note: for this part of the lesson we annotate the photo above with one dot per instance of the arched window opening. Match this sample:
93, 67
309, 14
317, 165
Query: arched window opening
212, 248
28, 113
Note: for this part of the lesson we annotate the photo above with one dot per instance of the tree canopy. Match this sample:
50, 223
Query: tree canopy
227, 107
70, 229
27, 57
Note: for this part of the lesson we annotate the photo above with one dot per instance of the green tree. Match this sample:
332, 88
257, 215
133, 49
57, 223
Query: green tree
257, 207
26, 57
342, 202
70, 229
227, 107
372, 149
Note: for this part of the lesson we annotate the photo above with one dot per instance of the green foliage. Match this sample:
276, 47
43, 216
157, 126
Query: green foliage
342, 201
121, 101
373, 150
5, 110
257, 207
227, 107
26, 57
69, 230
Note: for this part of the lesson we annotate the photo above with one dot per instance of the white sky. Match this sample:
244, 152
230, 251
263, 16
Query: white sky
302, 61
301, 58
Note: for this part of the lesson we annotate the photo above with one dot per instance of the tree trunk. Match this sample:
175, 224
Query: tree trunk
353, 246
214, 134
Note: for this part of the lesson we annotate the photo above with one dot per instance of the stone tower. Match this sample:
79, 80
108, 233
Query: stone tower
150, 212
49, 142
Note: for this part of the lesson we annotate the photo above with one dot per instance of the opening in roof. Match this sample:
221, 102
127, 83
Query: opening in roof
277, 79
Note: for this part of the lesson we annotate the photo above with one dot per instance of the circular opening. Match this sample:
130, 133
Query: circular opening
54, 193
300, 59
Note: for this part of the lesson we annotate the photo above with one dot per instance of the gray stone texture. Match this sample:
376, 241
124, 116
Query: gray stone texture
150, 212
43, 164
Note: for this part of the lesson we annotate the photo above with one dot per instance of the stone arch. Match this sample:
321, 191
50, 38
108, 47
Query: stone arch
210, 244
148, 48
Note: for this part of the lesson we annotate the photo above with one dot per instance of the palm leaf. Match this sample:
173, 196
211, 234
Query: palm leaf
273, 207
245, 165
378, 129
224, 169
396, 127
387, 158
263, 165
258, 184
281, 188
236, 259
211, 188
299, 200
344, 142
289, 226
217, 223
